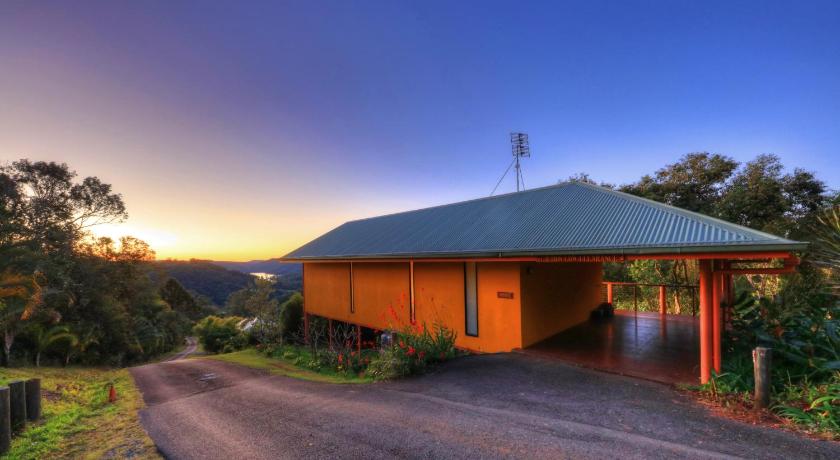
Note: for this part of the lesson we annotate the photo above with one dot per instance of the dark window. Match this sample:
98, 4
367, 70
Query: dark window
471, 299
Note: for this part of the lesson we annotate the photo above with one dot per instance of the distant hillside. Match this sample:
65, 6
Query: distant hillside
206, 278
272, 266
289, 276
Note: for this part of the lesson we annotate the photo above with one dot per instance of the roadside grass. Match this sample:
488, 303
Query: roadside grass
287, 363
78, 421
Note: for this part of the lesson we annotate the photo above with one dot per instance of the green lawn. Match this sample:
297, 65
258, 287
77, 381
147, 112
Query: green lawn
78, 421
285, 365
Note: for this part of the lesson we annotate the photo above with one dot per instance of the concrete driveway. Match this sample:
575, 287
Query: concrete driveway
489, 406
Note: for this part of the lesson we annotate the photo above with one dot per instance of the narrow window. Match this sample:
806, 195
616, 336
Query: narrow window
471, 298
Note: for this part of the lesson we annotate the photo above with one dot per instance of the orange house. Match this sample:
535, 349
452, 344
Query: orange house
508, 271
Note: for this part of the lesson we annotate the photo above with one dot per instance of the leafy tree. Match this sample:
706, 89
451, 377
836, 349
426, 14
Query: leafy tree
236, 304
45, 337
826, 251
181, 301
761, 196
696, 182
258, 301
220, 334
19, 296
97, 288
291, 317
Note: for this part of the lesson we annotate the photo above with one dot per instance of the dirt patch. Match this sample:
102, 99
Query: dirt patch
51, 396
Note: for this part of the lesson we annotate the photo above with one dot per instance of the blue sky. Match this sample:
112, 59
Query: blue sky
243, 129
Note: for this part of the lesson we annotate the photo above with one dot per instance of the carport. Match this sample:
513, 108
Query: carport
663, 348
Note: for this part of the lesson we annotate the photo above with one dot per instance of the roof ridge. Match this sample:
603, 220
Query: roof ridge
471, 200
696, 216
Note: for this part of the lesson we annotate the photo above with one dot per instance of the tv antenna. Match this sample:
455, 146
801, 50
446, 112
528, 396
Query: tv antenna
520, 148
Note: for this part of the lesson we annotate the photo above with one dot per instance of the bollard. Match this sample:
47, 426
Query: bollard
112, 394
17, 405
33, 399
5, 421
762, 359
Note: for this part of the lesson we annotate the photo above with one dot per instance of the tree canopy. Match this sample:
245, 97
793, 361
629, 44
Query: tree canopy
63, 292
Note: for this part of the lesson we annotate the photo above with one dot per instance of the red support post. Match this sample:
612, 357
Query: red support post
609, 293
663, 301
717, 296
706, 348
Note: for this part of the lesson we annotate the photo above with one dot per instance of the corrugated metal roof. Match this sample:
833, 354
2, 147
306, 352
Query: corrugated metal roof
566, 219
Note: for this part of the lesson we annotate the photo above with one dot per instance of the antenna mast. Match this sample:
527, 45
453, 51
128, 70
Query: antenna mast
521, 149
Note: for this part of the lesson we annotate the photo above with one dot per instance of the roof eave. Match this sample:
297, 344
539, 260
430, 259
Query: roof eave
793, 246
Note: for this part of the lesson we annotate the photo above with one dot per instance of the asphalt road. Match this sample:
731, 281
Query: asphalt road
489, 406
192, 344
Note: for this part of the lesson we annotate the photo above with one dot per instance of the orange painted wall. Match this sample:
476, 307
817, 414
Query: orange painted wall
377, 287
326, 290
499, 319
439, 296
557, 296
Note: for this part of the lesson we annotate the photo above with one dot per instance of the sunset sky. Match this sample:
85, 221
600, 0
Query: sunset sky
241, 130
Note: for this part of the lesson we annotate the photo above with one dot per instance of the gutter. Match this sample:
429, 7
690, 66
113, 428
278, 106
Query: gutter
752, 251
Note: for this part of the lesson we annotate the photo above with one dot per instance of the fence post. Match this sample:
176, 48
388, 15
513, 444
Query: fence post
762, 360
33, 399
5, 421
17, 404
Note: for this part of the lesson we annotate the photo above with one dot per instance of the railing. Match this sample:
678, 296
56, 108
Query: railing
652, 297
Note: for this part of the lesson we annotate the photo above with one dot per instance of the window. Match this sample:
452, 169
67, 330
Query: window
471, 299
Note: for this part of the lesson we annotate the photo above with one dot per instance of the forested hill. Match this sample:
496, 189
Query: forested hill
218, 280
289, 275
206, 278
271, 266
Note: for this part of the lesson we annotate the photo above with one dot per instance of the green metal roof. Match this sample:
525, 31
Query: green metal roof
571, 218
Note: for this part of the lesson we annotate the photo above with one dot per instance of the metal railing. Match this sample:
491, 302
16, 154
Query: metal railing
676, 299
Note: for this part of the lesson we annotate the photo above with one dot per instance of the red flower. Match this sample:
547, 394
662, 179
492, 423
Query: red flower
410, 350
421, 354
340, 358
402, 344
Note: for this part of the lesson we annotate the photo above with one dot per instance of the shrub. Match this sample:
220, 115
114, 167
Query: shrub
291, 317
217, 334
414, 349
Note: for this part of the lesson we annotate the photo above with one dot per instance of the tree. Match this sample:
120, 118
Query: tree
45, 338
98, 288
826, 251
696, 182
181, 301
258, 301
291, 317
19, 297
